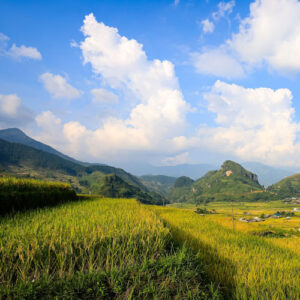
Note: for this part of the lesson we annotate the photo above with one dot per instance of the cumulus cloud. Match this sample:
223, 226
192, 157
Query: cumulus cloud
217, 62
104, 96
23, 51
17, 52
269, 36
58, 87
254, 124
207, 26
122, 64
13, 112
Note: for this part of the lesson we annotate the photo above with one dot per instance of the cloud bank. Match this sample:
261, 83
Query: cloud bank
269, 36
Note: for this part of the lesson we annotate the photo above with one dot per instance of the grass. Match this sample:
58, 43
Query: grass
247, 266
22, 194
98, 248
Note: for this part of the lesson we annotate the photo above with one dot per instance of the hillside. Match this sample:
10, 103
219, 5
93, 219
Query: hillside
181, 191
158, 183
24, 161
15, 135
288, 187
231, 181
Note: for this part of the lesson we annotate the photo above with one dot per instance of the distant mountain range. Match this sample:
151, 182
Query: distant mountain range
266, 175
21, 155
17, 159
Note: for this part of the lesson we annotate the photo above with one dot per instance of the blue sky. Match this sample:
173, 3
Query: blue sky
161, 82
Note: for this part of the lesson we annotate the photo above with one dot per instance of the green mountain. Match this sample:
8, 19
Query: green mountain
158, 183
288, 187
15, 135
181, 191
230, 182
114, 187
24, 161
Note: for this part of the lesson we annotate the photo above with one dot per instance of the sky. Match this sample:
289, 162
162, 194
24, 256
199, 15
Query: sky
156, 82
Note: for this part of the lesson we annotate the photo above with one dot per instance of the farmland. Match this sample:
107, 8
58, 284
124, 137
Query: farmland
96, 248
119, 248
248, 266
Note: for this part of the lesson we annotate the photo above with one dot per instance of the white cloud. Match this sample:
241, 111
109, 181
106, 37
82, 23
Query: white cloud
13, 112
23, 51
58, 87
224, 8
104, 96
160, 110
269, 36
207, 26
17, 52
254, 124
3, 37
178, 159
271, 33
218, 63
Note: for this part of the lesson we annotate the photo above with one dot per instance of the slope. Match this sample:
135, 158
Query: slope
24, 161
158, 183
288, 187
181, 191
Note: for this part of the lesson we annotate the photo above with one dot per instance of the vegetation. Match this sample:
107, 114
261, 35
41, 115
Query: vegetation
247, 266
158, 183
231, 183
22, 194
96, 249
24, 161
181, 190
288, 187
114, 187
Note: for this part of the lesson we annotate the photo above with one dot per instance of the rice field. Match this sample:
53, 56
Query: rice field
246, 266
18, 194
97, 248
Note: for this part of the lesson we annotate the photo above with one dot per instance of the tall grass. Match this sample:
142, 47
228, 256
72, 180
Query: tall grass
249, 267
103, 248
21, 194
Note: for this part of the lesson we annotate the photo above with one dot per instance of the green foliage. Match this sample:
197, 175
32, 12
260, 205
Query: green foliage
204, 211
158, 183
288, 187
181, 191
22, 194
17, 159
231, 183
113, 186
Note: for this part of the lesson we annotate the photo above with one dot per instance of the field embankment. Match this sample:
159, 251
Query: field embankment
21, 194
249, 267
96, 249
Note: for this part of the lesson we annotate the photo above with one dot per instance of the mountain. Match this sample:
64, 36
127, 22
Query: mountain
230, 182
159, 183
114, 187
181, 190
287, 187
267, 175
193, 171
15, 135
25, 161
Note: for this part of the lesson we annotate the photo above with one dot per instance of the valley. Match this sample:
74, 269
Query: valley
76, 230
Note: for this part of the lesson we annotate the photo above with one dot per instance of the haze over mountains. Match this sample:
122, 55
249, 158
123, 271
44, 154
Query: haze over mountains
21, 155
